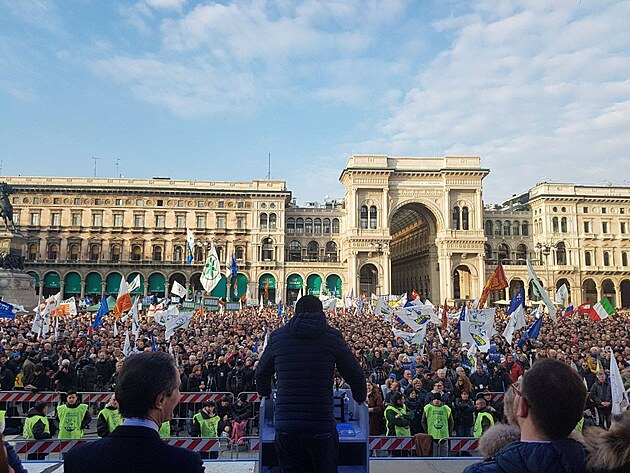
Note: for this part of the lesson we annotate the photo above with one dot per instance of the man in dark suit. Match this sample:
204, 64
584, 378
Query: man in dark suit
304, 354
147, 391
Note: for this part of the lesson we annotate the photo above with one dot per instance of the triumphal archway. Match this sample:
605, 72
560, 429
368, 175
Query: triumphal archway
414, 223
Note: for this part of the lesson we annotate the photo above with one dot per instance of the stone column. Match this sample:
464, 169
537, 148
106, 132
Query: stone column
386, 262
146, 288
62, 285
617, 302
83, 289
41, 288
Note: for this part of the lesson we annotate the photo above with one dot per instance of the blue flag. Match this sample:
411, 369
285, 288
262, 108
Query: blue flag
7, 310
532, 332
360, 306
517, 301
153, 345
279, 309
462, 317
234, 266
102, 310
87, 301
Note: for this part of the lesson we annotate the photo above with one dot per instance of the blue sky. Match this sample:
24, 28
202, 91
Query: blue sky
204, 90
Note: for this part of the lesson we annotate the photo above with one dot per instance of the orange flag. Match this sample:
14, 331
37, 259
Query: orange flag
123, 302
496, 282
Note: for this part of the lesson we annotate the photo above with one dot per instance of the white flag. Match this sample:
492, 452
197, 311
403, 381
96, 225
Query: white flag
127, 345
133, 285
211, 274
562, 294
478, 328
417, 315
541, 292
36, 328
178, 289
619, 395
516, 322
181, 320
260, 305
135, 322
190, 243
383, 309
56, 328
115, 329
471, 354
416, 338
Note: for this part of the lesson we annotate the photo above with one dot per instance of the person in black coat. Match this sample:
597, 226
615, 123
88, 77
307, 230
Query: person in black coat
464, 415
147, 392
479, 379
304, 355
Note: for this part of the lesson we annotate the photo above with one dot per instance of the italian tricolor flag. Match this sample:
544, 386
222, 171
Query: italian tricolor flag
601, 310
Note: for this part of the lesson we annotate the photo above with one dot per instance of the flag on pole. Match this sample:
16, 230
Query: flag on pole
56, 328
190, 245
135, 320
541, 292
127, 345
415, 295
532, 332
496, 282
567, 312
102, 310
7, 310
619, 395
267, 289
36, 327
115, 329
123, 301
178, 289
135, 284
516, 311
211, 274
153, 345
279, 309
562, 294
444, 316
601, 310
471, 355
260, 305
415, 338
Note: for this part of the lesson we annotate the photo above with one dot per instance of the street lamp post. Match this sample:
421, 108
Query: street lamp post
545, 248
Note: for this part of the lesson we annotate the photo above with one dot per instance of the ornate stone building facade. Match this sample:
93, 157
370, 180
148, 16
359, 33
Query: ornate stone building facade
404, 224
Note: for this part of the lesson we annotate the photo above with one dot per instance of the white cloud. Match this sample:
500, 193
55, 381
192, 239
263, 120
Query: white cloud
217, 58
536, 88
166, 4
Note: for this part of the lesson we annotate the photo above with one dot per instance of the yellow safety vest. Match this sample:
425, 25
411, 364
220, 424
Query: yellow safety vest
437, 420
30, 422
400, 431
165, 430
478, 432
209, 426
112, 418
70, 419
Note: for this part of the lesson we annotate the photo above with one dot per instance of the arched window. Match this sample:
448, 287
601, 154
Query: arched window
290, 225
335, 225
95, 252
136, 253
299, 226
326, 225
331, 251
75, 252
373, 217
312, 251
465, 218
219, 253
178, 254
32, 252
488, 227
525, 228
587, 258
554, 225
272, 221
488, 251
308, 226
240, 252
516, 228
198, 254
606, 258
504, 252
263, 221
116, 253
295, 251
318, 225
364, 216
267, 249
507, 227
157, 253
456, 223
563, 225
53, 251
521, 253
497, 227
561, 253
624, 259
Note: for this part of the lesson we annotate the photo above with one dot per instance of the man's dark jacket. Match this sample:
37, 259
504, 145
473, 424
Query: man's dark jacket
132, 450
303, 354
559, 456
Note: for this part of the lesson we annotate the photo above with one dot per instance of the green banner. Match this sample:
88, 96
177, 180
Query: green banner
188, 305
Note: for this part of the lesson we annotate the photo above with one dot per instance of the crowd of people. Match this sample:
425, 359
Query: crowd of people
434, 388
